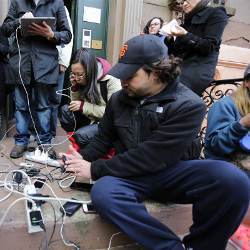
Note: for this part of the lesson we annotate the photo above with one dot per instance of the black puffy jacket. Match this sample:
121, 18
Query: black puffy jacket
147, 135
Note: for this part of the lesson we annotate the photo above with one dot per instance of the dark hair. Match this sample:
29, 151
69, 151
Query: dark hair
88, 60
146, 28
167, 70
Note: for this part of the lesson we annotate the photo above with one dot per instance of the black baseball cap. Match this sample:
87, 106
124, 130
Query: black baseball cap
247, 72
136, 52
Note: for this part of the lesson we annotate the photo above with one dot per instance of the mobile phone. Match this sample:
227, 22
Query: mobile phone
88, 208
63, 169
35, 218
81, 186
70, 207
39, 183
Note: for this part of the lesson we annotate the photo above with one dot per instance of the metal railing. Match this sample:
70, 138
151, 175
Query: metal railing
217, 90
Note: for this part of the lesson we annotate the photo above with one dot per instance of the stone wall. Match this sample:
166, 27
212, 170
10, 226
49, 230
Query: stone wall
237, 32
153, 8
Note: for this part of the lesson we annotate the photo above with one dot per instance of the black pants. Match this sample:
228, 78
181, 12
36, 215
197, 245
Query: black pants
78, 122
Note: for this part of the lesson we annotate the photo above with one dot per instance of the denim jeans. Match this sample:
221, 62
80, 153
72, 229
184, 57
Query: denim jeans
40, 106
55, 100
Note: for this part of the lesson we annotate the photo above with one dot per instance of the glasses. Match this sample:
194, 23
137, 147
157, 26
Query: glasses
76, 76
154, 24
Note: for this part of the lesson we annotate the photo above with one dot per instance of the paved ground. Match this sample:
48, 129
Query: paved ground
90, 231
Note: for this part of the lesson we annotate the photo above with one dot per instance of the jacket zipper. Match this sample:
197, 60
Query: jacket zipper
137, 124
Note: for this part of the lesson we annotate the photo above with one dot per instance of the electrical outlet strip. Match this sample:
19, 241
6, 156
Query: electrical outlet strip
41, 157
33, 212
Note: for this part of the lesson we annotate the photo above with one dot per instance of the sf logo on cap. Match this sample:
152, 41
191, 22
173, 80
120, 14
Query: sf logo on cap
123, 51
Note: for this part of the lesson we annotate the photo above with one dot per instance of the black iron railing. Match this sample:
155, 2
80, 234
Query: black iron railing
217, 90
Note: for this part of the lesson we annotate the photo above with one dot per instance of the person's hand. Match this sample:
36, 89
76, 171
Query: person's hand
75, 106
177, 30
72, 153
43, 30
245, 121
76, 165
62, 68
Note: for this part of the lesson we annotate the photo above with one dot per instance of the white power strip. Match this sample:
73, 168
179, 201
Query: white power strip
34, 213
41, 157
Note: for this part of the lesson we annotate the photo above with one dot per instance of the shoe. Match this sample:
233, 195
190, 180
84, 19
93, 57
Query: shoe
51, 152
18, 151
241, 238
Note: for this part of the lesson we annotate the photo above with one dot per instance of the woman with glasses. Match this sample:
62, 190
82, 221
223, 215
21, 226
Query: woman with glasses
198, 42
91, 88
153, 27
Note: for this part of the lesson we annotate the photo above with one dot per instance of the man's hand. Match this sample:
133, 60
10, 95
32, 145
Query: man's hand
79, 168
245, 121
75, 106
177, 31
76, 164
41, 30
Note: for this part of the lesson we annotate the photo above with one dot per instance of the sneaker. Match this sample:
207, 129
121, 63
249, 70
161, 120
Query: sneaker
48, 148
18, 151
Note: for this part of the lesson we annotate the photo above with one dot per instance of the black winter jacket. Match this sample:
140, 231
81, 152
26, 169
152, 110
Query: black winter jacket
199, 49
4, 50
148, 136
37, 53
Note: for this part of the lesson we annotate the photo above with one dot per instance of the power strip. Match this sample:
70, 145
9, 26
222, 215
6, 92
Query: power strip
33, 212
41, 157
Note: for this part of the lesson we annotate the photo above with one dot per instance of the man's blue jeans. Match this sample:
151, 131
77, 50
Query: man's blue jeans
41, 108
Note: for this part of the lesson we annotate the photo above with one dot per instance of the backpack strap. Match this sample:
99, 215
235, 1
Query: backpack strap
104, 90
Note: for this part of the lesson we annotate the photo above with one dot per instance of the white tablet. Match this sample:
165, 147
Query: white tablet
25, 22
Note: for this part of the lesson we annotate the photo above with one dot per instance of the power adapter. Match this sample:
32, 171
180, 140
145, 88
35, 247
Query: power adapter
33, 211
41, 157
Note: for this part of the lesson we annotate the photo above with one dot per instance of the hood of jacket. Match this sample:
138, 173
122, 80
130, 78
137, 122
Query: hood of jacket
105, 67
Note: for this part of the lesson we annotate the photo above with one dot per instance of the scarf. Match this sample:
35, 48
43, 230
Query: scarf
199, 6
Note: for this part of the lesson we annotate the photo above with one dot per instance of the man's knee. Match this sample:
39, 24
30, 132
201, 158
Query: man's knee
234, 182
85, 134
101, 193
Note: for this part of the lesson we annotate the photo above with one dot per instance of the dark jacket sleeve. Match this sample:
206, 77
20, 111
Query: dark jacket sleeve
212, 34
11, 22
62, 35
159, 151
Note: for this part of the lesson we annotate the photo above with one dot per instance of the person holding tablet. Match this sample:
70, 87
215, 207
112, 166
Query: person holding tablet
39, 67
